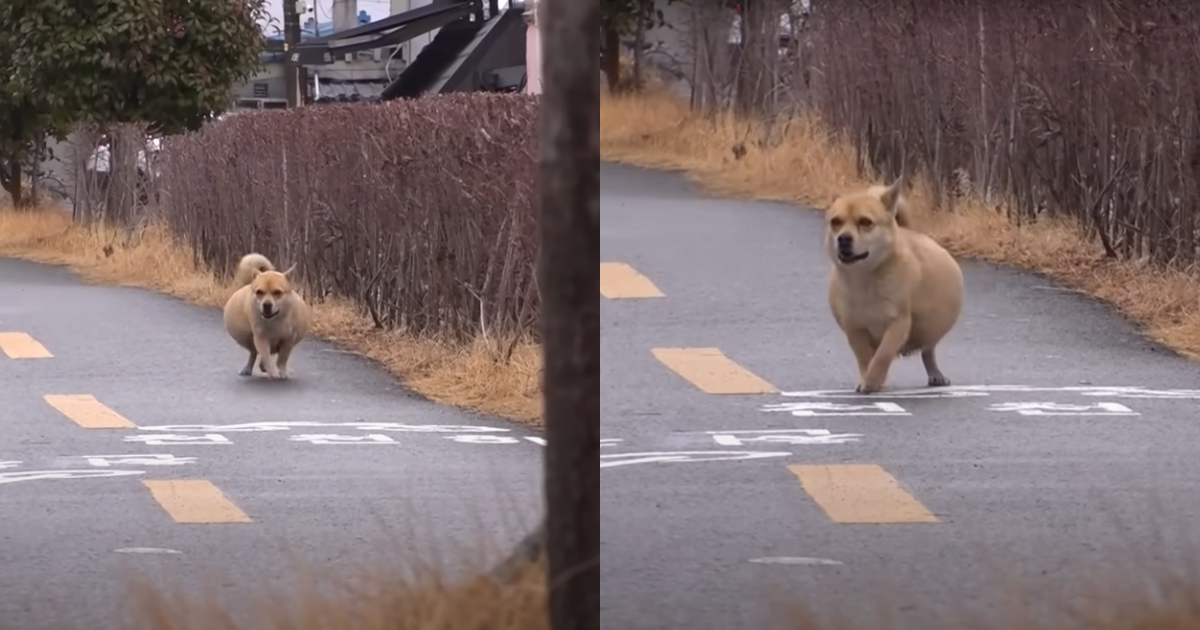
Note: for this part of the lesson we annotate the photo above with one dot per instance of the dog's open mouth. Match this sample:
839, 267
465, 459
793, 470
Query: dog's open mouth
269, 314
847, 258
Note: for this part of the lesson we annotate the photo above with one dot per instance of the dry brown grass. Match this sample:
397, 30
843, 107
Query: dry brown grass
376, 600
809, 165
473, 377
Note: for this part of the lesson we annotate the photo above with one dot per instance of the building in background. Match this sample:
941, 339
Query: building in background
421, 47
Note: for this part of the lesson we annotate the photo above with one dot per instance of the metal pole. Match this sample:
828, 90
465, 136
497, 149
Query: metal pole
291, 37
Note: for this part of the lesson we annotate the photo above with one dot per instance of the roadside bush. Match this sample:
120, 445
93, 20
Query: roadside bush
420, 211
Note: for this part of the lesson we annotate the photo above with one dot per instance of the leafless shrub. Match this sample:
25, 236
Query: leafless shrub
419, 210
1090, 109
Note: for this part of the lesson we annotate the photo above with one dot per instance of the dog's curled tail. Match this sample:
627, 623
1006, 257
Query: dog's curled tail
250, 265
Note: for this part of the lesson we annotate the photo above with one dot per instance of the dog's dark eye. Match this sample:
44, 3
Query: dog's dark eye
835, 224
259, 293
864, 223
277, 293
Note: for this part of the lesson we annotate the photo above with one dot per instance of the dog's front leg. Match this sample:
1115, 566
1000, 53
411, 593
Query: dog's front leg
893, 339
281, 359
864, 349
264, 353
249, 369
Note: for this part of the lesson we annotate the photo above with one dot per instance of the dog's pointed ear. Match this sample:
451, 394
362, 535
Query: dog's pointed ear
289, 271
891, 196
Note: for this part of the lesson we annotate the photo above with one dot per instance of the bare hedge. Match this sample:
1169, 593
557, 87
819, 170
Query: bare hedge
1085, 108
422, 211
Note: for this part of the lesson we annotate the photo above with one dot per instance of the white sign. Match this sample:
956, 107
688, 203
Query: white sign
329, 438
9, 464
33, 475
483, 439
104, 461
807, 409
784, 436
961, 391
613, 460
1063, 409
286, 426
609, 441
536, 440
159, 439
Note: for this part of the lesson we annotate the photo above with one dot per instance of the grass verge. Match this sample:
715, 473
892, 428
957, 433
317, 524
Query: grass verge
808, 164
471, 376
381, 600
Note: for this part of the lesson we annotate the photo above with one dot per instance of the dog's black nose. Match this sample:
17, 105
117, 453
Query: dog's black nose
845, 241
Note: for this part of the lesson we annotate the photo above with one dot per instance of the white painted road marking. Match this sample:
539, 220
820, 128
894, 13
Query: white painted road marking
1063, 409
104, 461
329, 438
625, 459
784, 436
796, 560
807, 409
32, 475
483, 439
960, 391
161, 550
158, 439
285, 426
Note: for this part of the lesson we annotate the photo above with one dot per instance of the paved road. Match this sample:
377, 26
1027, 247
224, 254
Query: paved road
1086, 463
167, 448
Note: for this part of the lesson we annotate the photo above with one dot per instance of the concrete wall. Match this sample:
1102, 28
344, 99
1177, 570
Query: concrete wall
533, 50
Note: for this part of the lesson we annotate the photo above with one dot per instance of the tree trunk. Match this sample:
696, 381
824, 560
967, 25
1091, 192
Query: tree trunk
639, 42
569, 222
612, 58
760, 53
12, 180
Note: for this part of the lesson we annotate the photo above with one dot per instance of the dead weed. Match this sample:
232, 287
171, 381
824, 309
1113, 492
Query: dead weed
805, 163
475, 376
379, 600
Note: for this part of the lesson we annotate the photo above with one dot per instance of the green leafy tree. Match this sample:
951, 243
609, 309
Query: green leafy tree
169, 63
22, 123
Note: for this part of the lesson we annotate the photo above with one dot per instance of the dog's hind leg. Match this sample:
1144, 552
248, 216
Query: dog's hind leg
936, 378
249, 368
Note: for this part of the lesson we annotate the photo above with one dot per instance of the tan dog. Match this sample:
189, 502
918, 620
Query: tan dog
266, 315
893, 291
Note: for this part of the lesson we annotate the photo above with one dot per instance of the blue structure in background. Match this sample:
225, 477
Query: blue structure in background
312, 28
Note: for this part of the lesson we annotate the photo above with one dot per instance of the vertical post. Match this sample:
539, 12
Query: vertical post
568, 263
291, 65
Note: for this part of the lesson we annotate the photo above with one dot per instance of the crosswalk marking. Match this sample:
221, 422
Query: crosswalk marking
619, 280
860, 493
87, 412
194, 501
711, 371
19, 345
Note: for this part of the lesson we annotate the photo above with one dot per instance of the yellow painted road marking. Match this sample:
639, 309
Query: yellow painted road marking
711, 371
87, 412
19, 345
194, 501
860, 493
618, 280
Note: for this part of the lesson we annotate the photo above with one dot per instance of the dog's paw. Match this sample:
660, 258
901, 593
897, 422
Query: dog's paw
866, 388
245, 371
938, 381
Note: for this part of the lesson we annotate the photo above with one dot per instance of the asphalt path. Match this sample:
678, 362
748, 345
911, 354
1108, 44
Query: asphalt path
337, 467
1066, 447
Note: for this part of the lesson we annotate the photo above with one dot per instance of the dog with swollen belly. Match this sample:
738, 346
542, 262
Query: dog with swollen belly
266, 315
893, 291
